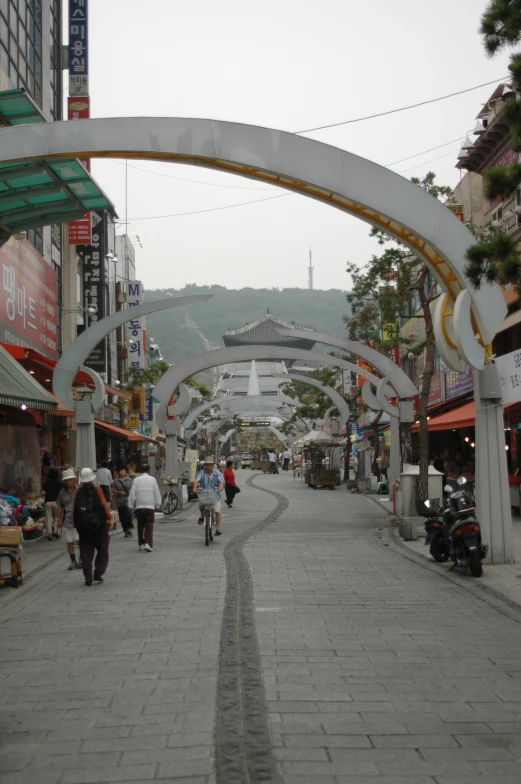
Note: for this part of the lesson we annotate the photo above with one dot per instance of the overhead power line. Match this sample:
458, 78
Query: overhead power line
401, 109
211, 209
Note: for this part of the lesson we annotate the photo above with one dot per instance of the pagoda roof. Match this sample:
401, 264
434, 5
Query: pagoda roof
264, 331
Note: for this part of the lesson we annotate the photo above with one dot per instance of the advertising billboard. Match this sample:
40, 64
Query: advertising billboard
78, 47
135, 337
28, 299
95, 284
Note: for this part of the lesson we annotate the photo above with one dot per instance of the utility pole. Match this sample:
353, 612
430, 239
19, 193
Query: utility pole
310, 271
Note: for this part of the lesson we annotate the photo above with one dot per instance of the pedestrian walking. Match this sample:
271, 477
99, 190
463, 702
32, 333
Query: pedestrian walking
121, 488
230, 487
65, 515
93, 521
272, 457
105, 479
145, 496
50, 491
286, 457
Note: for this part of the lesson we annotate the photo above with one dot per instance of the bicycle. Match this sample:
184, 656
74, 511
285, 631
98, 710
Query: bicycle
207, 499
170, 500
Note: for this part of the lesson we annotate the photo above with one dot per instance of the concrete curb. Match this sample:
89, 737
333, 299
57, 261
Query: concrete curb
486, 593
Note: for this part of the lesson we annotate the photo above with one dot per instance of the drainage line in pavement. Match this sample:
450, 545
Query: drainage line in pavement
242, 740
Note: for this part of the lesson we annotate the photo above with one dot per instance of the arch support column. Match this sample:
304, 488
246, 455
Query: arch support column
491, 472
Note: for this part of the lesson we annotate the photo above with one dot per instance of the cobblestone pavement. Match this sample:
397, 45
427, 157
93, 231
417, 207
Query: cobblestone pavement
375, 670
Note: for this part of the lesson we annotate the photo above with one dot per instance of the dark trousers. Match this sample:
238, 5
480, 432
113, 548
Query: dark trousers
98, 543
106, 493
145, 526
230, 493
125, 518
273, 467
285, 467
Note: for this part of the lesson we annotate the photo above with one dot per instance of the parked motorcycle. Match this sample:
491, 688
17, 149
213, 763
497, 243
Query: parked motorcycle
454, 532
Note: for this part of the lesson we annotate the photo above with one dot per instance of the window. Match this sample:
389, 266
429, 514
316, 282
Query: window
518, 207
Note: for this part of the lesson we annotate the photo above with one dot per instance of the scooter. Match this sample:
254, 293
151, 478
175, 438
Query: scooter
454, 532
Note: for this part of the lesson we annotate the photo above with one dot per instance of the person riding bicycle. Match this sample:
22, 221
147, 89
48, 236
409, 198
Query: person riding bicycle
210, 478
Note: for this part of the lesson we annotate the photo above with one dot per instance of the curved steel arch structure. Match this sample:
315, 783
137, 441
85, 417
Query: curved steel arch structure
169, 382
333, 395
355, 185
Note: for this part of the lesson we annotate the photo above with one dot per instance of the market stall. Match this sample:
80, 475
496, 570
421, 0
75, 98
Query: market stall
319, 462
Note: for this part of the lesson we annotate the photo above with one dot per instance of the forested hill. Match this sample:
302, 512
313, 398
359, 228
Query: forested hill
181, 332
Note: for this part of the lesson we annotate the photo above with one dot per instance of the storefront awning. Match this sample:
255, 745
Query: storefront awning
462, 416
129, 435
18, 387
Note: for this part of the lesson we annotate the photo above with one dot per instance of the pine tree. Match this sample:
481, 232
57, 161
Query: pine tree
494, 258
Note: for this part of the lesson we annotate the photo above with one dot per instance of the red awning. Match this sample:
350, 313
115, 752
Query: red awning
129, 435
462, 416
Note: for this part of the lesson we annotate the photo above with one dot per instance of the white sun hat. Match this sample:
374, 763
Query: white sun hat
87, 475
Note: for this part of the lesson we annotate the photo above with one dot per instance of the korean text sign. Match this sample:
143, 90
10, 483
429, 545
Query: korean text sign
78, 48
509, 373
27, 298
137, 353
94, 285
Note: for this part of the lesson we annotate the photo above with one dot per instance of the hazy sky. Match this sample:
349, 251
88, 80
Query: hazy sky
288, 65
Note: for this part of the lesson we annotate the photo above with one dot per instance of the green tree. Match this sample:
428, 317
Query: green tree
313, 402
390, 289
495, 258
138, 377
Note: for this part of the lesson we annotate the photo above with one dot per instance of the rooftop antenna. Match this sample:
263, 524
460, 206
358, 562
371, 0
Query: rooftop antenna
310, 271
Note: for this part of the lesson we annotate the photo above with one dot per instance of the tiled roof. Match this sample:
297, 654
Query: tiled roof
264, 332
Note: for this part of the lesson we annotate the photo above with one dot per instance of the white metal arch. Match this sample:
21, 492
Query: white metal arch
343, 180
178, 373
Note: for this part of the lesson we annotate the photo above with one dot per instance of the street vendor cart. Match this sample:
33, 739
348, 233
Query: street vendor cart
318, 456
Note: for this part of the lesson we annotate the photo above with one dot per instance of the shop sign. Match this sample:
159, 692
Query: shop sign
458, 383
509, 372
364, 366
80, 231
94, 285
28, 314
413, 330
437, 390
78, 108
457, 209
137, 354
133, 421
78, 47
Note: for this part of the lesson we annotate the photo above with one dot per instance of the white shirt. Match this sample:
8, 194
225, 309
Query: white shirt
272, 457
104, 476
144, 493
287, 454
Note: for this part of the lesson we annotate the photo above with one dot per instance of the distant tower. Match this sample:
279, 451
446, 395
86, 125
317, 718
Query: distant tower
310, 271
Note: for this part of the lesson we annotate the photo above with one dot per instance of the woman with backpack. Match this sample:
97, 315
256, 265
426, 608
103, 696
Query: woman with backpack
93, 521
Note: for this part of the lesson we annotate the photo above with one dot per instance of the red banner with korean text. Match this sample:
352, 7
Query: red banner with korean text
27, 299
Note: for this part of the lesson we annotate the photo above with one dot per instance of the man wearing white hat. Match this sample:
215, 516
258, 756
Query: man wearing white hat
65, 515
93, 520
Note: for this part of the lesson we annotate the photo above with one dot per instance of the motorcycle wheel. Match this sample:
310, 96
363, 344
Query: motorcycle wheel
476, 569
438, 551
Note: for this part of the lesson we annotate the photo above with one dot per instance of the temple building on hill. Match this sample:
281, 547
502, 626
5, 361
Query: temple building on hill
265, 331
235, 378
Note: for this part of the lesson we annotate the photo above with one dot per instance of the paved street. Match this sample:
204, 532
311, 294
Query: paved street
300, 647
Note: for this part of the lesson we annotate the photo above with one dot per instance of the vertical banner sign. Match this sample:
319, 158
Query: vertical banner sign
78, 48
95, 285
137, 355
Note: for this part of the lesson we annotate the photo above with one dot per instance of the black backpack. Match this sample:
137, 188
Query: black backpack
89, 512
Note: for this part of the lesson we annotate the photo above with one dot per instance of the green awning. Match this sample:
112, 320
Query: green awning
18, 387
41, 193
18, 108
